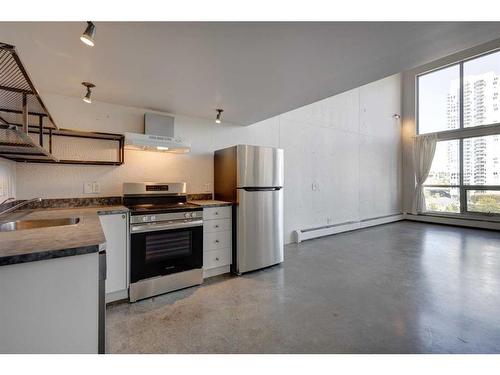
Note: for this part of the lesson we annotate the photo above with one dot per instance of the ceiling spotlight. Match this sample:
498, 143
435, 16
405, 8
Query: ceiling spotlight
87, 98
89, 34
217, 119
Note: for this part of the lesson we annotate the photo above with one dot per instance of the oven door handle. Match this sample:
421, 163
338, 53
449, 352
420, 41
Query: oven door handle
140, 228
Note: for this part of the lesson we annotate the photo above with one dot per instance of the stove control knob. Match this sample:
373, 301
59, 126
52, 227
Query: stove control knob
152, 218
144, 218
186, 215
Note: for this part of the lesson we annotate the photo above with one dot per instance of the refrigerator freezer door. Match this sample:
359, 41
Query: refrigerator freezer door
259, 223
259, 166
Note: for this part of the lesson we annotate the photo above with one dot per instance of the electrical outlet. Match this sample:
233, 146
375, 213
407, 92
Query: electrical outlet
87, 188
315, 186
2, 190
208, 186
328, 220
96, 187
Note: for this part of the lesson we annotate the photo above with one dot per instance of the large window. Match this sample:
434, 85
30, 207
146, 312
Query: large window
439, 100
461, 104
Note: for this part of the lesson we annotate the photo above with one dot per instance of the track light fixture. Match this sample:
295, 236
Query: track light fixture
87, 98
217, 119
89, 34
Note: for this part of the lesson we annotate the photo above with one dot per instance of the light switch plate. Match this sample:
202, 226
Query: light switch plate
87, 188
96, 187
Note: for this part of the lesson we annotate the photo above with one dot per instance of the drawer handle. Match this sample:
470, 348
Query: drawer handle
216, 241
217, 259
216, 226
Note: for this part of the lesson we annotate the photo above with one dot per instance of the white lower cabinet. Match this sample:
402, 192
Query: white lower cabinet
216, 258
50, 306
115, 230
217, 240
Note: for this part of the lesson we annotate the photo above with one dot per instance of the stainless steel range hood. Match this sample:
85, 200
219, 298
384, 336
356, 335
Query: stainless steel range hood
158, 136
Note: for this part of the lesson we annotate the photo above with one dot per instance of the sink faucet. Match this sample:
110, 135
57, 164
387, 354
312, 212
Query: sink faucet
19, 205
6, 200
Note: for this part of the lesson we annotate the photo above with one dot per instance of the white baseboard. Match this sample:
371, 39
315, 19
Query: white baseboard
216, 271
310, 233
462, 222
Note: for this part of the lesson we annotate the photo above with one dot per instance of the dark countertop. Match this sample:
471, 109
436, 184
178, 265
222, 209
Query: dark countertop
30, 245
111, 210
210, 203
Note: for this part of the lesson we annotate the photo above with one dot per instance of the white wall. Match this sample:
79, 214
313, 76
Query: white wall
349, 145
7, 179
62, 181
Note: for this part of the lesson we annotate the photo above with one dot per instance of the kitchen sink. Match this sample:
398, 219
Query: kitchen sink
41, 223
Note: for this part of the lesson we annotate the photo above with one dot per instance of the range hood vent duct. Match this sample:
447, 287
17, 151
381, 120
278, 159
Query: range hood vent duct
158, 136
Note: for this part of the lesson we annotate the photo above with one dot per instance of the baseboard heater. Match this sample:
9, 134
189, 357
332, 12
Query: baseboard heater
326, 230
482, 223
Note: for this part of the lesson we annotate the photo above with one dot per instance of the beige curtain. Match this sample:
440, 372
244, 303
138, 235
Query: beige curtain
424, 147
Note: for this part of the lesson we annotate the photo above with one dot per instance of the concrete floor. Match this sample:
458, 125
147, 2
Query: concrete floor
405, 287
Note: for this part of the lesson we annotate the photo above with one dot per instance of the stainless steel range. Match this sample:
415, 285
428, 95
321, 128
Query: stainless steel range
166, 239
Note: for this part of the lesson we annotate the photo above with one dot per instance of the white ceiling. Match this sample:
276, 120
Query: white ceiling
252, 70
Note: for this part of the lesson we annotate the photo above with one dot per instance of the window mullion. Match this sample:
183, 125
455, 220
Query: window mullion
463, 198
461, 96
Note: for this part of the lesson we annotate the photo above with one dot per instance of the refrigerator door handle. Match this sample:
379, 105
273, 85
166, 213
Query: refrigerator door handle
266, 188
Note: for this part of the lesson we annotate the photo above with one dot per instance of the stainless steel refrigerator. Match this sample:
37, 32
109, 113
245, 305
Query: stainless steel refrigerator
252, 178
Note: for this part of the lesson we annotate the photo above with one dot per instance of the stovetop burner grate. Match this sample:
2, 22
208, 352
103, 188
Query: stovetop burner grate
146, 202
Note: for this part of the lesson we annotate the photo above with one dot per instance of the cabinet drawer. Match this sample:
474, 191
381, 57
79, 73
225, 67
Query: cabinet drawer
210, 213
216, 240
216, 258
217, 225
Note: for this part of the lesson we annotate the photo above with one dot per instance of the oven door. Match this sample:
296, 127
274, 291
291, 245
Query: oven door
161, 249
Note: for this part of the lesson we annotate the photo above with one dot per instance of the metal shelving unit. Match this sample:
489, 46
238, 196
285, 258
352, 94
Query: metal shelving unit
22, 112
119, 138
20, 103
